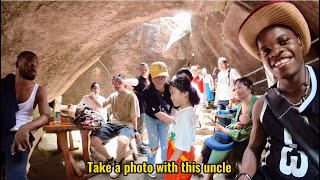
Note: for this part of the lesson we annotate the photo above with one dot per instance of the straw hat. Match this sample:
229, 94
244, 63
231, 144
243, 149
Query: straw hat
274, 12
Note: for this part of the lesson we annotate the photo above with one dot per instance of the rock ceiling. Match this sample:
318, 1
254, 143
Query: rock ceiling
81, 42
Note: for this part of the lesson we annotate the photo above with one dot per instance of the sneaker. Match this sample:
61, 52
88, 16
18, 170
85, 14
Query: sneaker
153, 174
151, 153
114, 175
110, 161
142, 151
144, 144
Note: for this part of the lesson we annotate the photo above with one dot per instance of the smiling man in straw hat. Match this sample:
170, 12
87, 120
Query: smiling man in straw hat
277, 34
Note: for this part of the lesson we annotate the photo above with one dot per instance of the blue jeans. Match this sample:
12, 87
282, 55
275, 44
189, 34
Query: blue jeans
15, 165
157, 132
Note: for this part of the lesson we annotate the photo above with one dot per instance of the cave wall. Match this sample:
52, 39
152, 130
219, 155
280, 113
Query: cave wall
71, 37
145, 43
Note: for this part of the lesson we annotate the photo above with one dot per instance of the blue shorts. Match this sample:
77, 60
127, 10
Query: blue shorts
109, 131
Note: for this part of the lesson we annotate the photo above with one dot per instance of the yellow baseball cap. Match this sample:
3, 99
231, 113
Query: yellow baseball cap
158, 69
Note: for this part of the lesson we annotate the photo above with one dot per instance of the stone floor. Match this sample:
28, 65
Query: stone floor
47, 164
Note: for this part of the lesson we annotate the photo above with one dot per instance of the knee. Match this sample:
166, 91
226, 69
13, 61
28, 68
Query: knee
154, 148
95, 141
123, 141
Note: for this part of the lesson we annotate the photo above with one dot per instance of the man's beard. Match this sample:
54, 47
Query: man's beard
26, 75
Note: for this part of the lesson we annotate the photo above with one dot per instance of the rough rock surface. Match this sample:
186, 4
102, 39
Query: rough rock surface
145, 43
70, 38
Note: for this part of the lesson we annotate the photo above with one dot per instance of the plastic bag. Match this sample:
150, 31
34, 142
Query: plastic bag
89, 118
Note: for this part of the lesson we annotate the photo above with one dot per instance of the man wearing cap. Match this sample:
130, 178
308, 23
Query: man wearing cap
277, 34
125, 110
159, 111
224, 87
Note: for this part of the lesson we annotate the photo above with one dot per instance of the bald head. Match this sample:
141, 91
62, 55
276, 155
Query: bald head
27, 63
25, 55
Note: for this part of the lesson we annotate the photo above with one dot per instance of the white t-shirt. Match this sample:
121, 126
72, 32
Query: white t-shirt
89, 103
223, 83
208, 79
183, 129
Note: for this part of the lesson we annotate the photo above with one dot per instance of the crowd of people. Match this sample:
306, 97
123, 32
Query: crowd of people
168, 110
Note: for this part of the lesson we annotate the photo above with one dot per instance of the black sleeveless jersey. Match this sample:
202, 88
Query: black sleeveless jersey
284, 159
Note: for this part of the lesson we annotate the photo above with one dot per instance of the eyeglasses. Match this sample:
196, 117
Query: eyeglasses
117, 81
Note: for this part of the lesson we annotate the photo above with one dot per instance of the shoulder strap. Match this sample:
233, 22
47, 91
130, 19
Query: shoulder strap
296, 125
229, 77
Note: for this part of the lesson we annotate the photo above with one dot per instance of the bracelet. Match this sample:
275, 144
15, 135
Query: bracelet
243, 174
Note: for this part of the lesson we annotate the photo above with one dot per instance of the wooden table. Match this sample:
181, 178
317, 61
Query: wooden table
61, 130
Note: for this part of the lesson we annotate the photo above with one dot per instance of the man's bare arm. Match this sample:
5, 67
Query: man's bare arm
21, 141
43, 106
107, 102
131, 82
258, 136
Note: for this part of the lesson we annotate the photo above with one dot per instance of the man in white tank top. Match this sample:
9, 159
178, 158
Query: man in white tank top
20, 95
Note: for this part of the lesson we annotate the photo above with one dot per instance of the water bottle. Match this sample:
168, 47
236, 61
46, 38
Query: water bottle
57, 107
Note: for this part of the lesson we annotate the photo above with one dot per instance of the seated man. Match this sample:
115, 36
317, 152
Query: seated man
21, 94
125, 109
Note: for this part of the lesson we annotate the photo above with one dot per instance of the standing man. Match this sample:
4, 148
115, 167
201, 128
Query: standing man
19, 97
287, 116
139, 83
226, 78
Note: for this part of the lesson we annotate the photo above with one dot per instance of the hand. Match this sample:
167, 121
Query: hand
239, 125
21, 140
215, 102
219, 128
90, 127
92, 96
213, 114
137, 135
